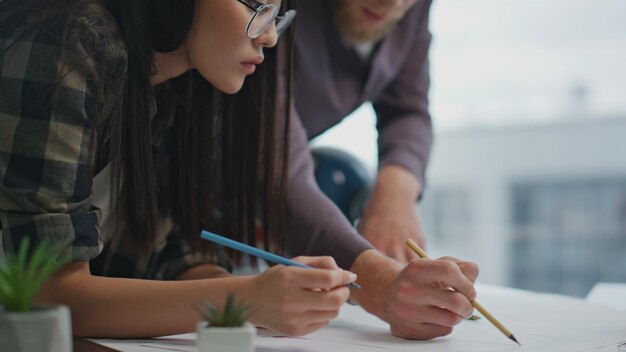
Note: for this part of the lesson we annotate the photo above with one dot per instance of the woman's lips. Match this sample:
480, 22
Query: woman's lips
248, 67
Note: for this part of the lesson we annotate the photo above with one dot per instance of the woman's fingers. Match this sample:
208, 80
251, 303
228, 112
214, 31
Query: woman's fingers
296, 301
310, 321
320, 278
326, 300
323, 262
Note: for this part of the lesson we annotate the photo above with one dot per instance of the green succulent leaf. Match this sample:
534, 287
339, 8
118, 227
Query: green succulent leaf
232, 315
23, 273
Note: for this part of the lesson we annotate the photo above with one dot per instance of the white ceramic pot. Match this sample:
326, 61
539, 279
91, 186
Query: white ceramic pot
45, 328
213, 339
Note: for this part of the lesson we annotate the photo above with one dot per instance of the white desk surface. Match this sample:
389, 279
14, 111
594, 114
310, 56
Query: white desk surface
541, 322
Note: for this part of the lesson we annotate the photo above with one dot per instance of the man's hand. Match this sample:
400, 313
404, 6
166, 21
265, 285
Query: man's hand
423, 300
390, 217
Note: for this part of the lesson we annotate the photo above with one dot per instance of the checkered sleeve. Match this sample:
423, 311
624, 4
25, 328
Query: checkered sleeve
177, 256
47, 139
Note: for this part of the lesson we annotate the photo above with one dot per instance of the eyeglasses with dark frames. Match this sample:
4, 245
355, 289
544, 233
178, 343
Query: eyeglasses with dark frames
266, 14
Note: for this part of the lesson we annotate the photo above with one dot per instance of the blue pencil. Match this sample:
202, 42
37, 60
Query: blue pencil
227, 242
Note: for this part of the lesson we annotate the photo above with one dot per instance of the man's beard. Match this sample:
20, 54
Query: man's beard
354, 32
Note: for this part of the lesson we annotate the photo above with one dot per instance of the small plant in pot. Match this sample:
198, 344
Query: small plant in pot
26, 327
226, 329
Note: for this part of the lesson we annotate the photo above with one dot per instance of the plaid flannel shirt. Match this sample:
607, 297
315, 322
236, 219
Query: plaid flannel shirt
47, 107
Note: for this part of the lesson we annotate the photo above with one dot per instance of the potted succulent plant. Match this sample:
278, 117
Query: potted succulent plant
25, 327
226, 330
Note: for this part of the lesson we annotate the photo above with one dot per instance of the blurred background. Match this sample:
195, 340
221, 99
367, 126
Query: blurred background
528, 171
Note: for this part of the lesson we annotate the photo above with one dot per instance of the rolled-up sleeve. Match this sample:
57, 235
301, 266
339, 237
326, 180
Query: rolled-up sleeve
47, 143
403, 120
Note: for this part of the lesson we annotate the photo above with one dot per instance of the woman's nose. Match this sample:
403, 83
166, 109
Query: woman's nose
268, 39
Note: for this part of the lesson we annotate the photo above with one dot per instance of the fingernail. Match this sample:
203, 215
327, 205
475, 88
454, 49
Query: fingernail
351, 275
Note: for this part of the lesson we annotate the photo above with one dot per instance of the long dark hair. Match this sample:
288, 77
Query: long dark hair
229, 152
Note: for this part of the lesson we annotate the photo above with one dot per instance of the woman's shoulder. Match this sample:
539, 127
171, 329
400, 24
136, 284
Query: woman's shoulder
74, 33
70, 56
91, 27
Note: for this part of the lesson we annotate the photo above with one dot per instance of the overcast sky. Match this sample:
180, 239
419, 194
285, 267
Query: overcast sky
502, 61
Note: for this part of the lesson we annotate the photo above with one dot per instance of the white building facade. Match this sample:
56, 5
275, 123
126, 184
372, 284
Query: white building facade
539, 207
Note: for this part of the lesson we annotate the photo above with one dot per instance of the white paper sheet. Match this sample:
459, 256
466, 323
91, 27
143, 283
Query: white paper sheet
541, 322
609, 293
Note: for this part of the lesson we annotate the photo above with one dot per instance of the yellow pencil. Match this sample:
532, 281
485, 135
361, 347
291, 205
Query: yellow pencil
475, 304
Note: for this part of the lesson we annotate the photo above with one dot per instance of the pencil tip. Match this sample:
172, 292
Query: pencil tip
514, 339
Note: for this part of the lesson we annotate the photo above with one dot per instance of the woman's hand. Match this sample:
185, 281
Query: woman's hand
296, 301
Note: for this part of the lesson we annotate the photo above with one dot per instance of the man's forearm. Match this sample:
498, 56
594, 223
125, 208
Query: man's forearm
390, 217
397, 182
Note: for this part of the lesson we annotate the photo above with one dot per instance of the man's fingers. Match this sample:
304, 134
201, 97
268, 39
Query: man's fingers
451, 301
441, 273
449, 274
435, 315
469, 269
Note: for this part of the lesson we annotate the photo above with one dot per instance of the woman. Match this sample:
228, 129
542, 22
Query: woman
131, 125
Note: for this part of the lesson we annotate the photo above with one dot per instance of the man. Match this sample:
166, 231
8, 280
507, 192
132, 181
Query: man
331, 81
352, 51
